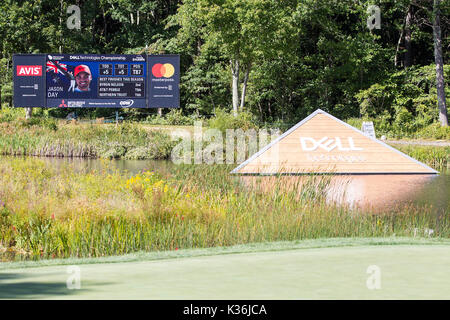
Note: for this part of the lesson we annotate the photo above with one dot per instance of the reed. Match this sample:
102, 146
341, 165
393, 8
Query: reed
58, 212
129, 141
85, 141
438, 157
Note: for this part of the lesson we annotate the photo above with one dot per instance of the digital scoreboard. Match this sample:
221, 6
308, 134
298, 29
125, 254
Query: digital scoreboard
88, 80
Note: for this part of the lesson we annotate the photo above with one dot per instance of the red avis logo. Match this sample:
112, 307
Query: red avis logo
35, 71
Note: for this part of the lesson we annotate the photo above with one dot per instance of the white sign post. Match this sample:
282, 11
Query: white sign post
368, 129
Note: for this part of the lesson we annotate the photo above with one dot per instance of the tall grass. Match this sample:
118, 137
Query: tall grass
48, 212
128, 141
438, 157
46, 137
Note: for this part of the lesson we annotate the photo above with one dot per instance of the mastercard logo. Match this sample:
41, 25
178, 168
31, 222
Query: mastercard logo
165, 70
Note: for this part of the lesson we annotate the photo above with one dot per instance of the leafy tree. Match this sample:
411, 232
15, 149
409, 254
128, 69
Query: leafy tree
244, 32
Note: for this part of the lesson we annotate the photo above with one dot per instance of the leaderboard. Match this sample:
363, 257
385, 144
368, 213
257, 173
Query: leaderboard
96, 80
121, 80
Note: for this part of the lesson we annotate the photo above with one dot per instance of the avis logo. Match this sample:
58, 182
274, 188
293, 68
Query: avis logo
126, 103
35, 71
310, 144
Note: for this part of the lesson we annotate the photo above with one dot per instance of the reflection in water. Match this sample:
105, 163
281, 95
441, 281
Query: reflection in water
367, 191
379, 191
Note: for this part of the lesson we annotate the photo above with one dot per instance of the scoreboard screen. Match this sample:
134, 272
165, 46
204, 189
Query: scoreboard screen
88, 80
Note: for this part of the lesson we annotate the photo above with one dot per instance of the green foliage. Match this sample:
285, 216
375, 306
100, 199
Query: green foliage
176, 118
224, 120
302, 55
355, 122
383, 127
10, 114
32, 137
106, 212
435, 131
438, 157
405, 103
44, 122
7, 93
173, 118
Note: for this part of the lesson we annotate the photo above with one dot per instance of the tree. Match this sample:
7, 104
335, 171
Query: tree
244, 31
440, 85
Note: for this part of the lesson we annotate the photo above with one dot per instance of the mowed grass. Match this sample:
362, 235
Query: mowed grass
48, 212
309, 269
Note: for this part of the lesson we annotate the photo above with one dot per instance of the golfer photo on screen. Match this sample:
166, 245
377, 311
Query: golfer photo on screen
83, 78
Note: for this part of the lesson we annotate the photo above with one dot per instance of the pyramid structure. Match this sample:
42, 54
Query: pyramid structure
323, 144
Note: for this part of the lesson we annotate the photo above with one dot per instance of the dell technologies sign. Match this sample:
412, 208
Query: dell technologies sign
95, 81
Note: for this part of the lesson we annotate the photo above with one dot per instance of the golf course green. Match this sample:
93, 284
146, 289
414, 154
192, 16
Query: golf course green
312, 269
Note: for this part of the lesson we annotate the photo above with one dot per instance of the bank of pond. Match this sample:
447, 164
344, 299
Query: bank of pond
132, 141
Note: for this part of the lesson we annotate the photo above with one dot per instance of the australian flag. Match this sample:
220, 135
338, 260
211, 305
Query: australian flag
51, 67
58, 75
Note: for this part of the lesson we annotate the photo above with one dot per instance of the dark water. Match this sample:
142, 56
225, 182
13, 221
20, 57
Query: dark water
371, 190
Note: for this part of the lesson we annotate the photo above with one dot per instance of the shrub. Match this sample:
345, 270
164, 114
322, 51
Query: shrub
355, 122
156, 119
10, 114
176, 118
139, 153
224, 120
113, 151
435, 131
44, 122
405, 103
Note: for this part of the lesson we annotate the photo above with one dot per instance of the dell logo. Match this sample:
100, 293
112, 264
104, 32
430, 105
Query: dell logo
310, 144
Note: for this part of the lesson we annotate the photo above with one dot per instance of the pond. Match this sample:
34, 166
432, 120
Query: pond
376, 191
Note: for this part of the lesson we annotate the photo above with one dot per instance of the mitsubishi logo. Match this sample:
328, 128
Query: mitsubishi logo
327, 144
62, 105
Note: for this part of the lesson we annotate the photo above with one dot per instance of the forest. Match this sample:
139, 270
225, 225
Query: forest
273, 60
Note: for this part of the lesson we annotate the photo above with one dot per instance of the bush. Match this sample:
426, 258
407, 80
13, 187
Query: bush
139, 153
405, 103
224, 120
435, 131
279, 125
383, 127
44, 122
355, 122
175, 117
156, 119
10, 114
7, 93
161, 145
113, 151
